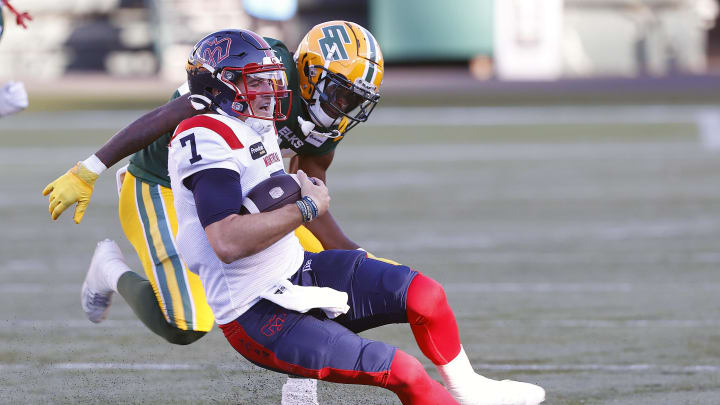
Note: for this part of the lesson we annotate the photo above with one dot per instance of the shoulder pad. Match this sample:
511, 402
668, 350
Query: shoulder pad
215, 125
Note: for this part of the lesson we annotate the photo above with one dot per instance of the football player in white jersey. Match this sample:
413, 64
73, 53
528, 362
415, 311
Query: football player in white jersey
170, 299
281, 307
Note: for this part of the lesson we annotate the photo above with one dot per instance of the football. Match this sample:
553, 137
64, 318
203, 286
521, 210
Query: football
271, 194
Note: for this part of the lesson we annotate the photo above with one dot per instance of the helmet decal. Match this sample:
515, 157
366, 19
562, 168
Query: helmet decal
332, 44
215, 51
372, 56
372, 45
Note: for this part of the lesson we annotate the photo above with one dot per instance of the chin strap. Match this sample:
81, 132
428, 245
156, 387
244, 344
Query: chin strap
308, 128
199, 102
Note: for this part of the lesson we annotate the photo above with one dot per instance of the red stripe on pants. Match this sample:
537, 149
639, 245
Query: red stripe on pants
258, 354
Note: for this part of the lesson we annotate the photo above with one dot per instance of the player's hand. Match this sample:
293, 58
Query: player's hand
13, 98
75, 186
315, 189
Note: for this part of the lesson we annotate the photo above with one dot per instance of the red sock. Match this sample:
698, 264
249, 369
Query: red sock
409, 381
432, 321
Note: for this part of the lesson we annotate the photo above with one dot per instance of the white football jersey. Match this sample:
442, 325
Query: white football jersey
214, 141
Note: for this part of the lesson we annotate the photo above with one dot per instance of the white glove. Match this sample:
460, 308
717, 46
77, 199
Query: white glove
13, 98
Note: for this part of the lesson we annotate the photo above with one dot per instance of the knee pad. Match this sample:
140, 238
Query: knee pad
425, 296
406, 372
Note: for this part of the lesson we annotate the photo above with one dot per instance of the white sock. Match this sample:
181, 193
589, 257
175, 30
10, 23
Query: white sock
458, 371
114, 269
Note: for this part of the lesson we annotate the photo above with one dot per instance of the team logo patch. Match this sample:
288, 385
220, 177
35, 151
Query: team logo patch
333, 42
257, 150
215, 50
276, 192
273, 325
271, 158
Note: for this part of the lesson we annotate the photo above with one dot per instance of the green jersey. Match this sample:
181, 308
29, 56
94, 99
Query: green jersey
150, 163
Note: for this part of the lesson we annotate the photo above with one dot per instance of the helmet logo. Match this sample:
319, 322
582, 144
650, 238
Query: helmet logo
215, 51
332, 44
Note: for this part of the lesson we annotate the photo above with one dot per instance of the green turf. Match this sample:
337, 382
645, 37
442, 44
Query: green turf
581, 258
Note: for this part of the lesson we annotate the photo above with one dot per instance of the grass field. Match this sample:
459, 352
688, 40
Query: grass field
581, 257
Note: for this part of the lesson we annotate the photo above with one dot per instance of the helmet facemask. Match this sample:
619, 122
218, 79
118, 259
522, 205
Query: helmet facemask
335, 102
258, 90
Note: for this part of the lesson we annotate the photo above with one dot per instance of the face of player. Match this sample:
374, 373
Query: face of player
339, 99
261, 104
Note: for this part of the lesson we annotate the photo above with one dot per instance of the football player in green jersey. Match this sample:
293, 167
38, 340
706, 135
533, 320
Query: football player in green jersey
334, 77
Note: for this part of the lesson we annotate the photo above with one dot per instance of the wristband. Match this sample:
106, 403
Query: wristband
94, 164
309, 201
304, 210
307, 208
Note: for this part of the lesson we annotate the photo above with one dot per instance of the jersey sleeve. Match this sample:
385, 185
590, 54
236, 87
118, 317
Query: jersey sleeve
202, 143
217, 194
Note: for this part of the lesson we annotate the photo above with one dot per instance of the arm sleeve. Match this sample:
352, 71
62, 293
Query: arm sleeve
217, 194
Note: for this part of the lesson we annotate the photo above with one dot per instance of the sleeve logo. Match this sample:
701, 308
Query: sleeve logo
257, 150
271, 159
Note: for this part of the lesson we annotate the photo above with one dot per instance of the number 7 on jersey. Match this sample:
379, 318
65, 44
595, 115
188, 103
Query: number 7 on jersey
194, 157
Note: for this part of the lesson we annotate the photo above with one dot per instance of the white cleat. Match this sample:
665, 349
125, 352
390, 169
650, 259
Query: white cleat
96, 294
485, 391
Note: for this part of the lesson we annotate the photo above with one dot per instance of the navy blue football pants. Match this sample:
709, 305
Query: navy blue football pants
310, 344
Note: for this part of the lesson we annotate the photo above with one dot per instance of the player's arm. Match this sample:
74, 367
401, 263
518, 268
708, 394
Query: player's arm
325, 228
145, 130
76, 185
218, 197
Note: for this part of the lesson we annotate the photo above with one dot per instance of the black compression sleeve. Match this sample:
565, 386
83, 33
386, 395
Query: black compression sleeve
217, 193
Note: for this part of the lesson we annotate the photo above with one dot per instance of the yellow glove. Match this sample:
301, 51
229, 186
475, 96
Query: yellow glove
75, 186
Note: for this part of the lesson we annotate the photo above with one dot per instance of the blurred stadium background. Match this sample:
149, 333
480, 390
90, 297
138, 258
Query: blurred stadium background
554, 163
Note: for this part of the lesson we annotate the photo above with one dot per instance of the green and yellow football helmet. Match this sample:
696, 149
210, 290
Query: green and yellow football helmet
340, 67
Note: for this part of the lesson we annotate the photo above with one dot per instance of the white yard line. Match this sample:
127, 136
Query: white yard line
662, 368
463, 287
494, 323
536, 115
404, 116
612, 368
